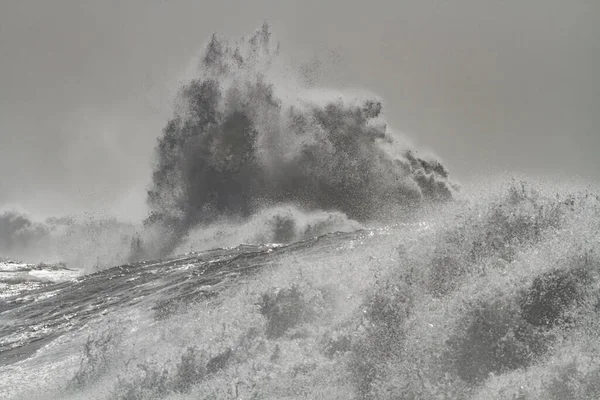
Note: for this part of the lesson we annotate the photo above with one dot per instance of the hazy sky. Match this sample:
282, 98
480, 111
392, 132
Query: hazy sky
492, 86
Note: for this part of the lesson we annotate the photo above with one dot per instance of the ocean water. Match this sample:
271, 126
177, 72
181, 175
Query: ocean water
298, 248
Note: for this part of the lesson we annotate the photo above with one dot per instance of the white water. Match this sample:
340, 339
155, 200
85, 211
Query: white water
422, 310
424, 293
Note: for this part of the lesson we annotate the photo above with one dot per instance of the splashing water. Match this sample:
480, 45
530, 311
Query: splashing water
417, 295
246, 135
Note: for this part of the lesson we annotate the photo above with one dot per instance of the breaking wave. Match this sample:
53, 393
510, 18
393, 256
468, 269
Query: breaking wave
279, 224
417, 294
252, 154
491, 298
19, 234
87, 243
247, 135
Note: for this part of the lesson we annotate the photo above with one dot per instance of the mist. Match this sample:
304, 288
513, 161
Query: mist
490, 88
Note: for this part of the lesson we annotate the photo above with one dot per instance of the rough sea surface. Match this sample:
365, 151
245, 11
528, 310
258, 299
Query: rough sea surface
297, 248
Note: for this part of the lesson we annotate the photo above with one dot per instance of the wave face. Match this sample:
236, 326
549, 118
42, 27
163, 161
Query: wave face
247, 135
495, 297
278, 224
319, 257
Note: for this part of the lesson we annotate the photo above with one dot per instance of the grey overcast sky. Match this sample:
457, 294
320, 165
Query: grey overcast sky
489, 86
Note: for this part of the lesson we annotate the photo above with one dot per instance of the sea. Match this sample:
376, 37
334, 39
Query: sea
298, 248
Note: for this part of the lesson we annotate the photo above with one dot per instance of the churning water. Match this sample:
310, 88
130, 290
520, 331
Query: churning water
299, 249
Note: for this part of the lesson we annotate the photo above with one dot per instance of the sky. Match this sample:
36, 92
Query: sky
491, 87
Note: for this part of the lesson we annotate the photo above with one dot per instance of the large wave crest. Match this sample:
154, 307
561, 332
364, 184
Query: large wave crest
246, 135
